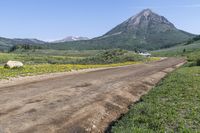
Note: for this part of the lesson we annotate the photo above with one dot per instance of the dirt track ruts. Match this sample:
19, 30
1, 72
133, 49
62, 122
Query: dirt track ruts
85, 102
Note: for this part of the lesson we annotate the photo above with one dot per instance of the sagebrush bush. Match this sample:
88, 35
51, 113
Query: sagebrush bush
198, 62
111, 56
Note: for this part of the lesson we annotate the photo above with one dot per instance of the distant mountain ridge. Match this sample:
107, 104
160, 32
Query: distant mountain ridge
6, 43
29, 41
71, 38
146, 30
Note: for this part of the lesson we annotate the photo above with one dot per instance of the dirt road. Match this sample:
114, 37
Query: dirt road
85, 102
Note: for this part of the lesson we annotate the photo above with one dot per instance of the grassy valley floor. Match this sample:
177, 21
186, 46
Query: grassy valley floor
29, 70
172, 106
43, 63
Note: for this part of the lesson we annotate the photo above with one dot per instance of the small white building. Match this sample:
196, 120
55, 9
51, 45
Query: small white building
145, 54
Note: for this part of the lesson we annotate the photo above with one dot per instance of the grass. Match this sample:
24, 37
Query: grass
44, 63
71, 53
46, 56
41, 56
29, 70
172, 106
182, 50
36, 59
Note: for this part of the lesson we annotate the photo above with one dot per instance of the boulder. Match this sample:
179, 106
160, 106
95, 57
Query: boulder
13, 64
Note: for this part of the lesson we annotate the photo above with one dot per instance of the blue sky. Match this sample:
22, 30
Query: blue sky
56, 19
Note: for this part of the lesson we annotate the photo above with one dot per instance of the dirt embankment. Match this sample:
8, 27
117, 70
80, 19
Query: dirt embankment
79, 102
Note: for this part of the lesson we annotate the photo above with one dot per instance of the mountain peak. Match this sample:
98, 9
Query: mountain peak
147, 11
145, 21
147, 15
71, 38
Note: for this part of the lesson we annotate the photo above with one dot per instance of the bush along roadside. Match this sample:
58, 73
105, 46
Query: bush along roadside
112, 56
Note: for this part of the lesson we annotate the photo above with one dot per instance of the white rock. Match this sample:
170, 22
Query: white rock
93, 126
13, 64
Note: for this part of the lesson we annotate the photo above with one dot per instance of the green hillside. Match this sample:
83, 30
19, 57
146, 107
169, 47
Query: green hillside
184, 49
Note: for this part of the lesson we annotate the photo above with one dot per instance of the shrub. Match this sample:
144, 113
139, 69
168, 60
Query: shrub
111, 56
198, 62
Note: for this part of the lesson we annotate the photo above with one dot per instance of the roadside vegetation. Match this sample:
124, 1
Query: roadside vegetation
29, 70
173, 105
112, 56
78, 57
43, 63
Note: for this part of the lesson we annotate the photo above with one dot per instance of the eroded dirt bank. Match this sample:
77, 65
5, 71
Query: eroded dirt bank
80, 102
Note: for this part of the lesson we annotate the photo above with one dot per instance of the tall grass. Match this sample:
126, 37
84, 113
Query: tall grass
172, 106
